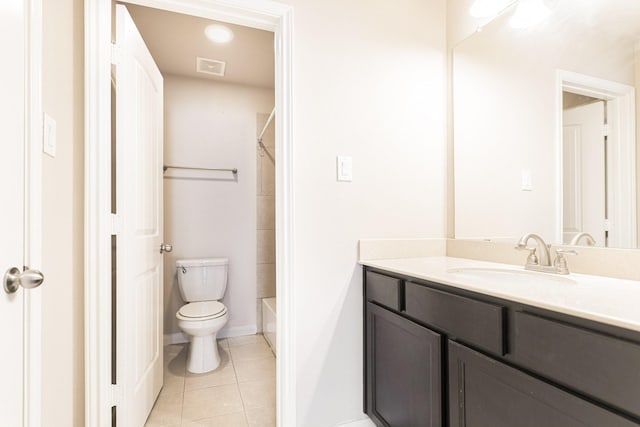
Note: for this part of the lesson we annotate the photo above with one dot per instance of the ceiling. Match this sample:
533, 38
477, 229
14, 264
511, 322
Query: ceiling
175, 40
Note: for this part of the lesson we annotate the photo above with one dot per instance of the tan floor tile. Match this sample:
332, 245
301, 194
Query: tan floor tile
173, 383
258, 394
216, 399
244, 340
175, 360
167, 410
237, 419
262, 417
223, 374
211, 402
255, 370
253, 351
173, 349
174, 369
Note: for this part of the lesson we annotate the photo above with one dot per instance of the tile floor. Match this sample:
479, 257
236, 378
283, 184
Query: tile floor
240, 393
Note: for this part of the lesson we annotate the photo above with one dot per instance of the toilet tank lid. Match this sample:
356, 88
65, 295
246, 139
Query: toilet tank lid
200, 262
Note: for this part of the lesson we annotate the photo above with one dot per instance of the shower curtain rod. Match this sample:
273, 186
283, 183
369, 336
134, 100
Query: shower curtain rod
264, 129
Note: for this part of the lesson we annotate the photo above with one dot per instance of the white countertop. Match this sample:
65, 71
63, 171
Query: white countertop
602, 299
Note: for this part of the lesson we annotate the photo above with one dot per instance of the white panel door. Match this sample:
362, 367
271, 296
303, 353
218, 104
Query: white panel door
571, 182
587, 144
139, 114
12, 153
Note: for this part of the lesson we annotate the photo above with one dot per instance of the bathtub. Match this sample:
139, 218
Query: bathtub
269, 322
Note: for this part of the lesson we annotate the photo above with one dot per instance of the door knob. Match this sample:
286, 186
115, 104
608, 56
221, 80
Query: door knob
28, 279
165, 248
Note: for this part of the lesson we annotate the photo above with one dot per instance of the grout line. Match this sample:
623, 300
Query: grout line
244, 409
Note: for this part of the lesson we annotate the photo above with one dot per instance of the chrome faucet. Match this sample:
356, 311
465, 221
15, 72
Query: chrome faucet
545, 257
588, 238
544, 265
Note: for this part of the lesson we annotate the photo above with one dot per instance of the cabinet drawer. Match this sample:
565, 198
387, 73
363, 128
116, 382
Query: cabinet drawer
383, 289
603, 367
474, 322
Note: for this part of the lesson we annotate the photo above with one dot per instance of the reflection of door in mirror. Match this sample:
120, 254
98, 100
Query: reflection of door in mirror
584, 171
598, 160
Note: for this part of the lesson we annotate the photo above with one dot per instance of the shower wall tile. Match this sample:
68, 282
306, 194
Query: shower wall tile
266, 216
266, 280
266, 213
268, 174
266, 246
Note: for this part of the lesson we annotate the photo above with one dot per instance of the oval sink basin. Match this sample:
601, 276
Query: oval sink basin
506, 275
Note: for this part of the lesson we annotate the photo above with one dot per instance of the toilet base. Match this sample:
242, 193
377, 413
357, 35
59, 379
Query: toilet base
203, 354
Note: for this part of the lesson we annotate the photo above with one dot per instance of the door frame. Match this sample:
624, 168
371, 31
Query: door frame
261, 14
32, 394
623, 161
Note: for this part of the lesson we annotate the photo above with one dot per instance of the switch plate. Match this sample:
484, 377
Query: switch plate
49, 143
527, 182
345, 168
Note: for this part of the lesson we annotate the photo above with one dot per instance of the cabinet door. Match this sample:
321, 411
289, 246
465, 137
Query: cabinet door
486, 393
404, 379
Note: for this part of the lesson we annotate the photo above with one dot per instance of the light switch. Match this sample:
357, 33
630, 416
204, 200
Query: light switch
527, 182
49, 135
345, 168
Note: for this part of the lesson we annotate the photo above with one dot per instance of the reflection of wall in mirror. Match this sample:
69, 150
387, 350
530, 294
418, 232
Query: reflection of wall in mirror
504, 101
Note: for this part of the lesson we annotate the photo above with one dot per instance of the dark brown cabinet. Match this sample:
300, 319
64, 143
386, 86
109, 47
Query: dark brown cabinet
436, 355
486, 393
404, 371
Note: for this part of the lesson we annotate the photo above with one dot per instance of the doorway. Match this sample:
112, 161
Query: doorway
101, 395
612, 105
218, 205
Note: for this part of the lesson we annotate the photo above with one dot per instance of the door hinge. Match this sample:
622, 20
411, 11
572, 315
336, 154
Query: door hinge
115, 54
605, 129
116, 395
607, 225
115, 225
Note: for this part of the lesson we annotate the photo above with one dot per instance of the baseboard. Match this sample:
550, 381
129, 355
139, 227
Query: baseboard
238, 331
175, 338
365, 422
235, 331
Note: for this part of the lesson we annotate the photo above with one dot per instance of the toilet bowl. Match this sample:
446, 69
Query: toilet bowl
202, 321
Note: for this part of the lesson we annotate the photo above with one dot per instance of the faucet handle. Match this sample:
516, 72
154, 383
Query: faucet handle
532, 258
560, 263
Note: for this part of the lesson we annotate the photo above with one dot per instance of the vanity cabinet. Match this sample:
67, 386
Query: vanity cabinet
436, 355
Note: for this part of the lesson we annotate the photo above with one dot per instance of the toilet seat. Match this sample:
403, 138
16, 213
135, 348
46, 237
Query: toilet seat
203, 310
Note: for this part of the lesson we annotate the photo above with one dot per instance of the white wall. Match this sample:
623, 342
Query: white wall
211, 214
62, 204
504, 85
369, 82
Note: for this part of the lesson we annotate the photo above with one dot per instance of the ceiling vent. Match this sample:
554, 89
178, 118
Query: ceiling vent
210, 66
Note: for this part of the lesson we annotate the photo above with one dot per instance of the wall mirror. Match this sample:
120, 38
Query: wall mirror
544, 125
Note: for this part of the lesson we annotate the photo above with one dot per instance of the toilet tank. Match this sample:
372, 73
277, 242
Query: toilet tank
202, 279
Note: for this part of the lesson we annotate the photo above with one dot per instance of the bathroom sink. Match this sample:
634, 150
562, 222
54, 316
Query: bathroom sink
507, 275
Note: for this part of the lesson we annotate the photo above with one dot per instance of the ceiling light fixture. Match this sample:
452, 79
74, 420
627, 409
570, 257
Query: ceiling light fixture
529, 13
218, 33
488, 8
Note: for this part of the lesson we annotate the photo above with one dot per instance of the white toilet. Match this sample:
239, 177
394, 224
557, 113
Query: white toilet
202, 282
